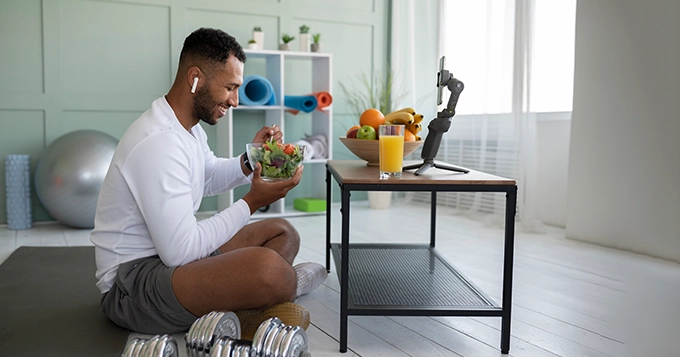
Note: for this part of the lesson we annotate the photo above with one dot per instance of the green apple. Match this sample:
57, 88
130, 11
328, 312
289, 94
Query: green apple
366, 132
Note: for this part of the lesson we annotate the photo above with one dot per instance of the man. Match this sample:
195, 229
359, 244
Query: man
158, 268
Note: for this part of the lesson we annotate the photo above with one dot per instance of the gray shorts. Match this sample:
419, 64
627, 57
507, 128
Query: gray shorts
141, 299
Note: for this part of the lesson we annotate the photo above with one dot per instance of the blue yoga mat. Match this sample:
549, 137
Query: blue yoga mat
256, 90
305, 103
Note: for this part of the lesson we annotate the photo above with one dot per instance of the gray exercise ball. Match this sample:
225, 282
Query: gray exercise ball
70, 174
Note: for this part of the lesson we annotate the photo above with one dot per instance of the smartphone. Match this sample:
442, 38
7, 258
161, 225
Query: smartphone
440, 79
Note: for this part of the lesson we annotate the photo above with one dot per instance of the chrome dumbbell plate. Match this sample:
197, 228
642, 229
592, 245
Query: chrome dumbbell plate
294, 344
261, 335
156, 346
166, 347
205, 331
276, 339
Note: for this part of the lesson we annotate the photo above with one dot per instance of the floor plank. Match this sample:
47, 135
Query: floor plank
8, 243
45, 235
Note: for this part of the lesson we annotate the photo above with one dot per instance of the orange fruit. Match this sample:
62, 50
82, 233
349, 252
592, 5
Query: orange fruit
372, 117
409, 136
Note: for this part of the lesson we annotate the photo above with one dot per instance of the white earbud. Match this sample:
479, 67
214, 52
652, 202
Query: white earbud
193, 87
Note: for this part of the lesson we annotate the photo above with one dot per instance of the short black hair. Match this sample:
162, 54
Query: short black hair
210, 47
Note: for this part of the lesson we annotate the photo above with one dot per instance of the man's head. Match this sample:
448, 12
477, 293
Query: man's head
216, 60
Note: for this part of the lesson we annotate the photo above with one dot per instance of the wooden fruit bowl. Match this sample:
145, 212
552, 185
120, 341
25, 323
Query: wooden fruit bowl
368, 149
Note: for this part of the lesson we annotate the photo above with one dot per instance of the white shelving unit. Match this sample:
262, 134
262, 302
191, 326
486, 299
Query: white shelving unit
272, 65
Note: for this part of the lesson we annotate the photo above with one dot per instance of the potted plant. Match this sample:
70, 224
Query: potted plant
252, 44
316, 45
285, 46
258, 37
376, 90
304, 38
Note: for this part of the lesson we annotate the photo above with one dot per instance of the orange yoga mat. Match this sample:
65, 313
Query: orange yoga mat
324, 99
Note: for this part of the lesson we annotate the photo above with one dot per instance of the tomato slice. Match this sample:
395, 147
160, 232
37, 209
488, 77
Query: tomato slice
288, 149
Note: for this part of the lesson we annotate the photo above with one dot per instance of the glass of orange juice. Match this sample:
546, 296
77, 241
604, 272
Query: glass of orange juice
391, 148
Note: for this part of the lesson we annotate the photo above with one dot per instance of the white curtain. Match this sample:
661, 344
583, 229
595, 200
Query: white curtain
414, 35
488, 46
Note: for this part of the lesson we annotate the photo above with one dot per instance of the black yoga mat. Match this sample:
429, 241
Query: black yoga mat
49, 305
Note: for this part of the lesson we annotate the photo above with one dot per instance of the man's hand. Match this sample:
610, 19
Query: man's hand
263, 193
267, 133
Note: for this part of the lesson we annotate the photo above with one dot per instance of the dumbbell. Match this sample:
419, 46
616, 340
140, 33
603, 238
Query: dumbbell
273, 338
156, 346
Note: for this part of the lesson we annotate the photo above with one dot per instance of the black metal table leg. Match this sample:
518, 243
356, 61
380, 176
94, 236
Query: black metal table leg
510, 203
344, 268
433, 218
328, 219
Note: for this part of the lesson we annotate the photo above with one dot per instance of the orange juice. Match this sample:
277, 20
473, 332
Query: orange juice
391, 153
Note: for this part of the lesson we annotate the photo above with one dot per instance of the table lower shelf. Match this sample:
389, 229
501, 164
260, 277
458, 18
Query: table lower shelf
408, 279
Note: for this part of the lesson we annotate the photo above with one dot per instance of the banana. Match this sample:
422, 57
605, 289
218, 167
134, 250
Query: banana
399, 118
407, 109
418, 118
415, 128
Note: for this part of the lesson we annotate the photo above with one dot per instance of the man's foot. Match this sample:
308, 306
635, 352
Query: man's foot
309, 277
290, 314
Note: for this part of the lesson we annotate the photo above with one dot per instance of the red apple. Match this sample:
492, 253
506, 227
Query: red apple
352, 132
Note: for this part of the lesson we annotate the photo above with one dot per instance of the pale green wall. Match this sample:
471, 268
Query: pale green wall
67, 65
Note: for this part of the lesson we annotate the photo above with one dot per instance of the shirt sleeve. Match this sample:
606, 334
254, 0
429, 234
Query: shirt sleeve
221, 175
159, 174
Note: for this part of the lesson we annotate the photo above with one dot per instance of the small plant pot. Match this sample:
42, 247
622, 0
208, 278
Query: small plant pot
253, 46
284, 47
258, 36
305, 39
316, 47
379, 199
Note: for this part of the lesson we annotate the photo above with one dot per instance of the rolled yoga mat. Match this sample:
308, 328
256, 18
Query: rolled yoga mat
256, 90
18, 191
305, 103
323, 100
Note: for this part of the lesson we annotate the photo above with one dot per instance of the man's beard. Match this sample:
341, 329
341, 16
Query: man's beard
204, 105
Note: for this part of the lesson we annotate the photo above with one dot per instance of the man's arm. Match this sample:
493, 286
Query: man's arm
159, 173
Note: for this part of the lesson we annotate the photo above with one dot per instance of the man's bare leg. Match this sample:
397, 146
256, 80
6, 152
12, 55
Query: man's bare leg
253, 271
275, 233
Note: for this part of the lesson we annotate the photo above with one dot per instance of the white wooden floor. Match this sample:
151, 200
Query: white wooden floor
569, 298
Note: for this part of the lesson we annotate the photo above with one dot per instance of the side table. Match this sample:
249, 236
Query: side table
412, 279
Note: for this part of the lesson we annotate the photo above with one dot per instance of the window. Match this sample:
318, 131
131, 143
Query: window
516, 59
479, 41
552, 56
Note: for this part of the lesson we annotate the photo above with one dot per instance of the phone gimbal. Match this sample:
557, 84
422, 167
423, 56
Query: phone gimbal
440, 124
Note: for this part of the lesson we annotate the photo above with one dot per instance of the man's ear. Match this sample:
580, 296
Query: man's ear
193, 78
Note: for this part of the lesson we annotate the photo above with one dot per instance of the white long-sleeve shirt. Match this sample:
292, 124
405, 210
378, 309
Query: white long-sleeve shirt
157, 178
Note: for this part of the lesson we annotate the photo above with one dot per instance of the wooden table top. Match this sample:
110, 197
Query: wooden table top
357, 172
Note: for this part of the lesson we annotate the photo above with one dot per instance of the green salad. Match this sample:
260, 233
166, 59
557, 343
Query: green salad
279, 161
